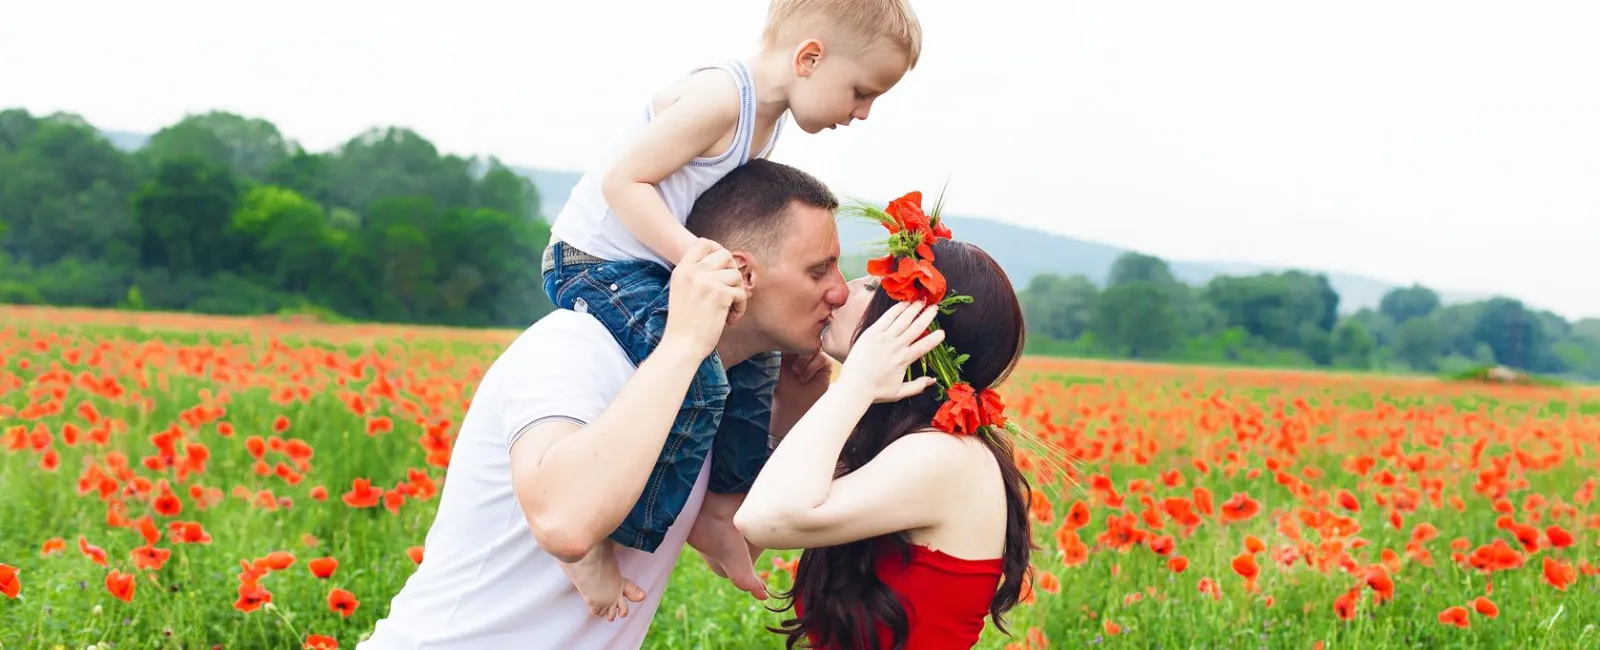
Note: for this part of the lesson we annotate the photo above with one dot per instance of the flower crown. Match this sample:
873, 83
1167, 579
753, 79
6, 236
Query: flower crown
906, 273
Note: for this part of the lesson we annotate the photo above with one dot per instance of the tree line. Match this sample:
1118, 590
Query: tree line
1292, 318
223, 214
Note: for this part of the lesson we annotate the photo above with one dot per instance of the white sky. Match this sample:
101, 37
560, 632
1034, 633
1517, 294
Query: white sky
1455, 143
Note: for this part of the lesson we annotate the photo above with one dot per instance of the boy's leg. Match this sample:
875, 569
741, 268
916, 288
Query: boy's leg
741, 448
631, 299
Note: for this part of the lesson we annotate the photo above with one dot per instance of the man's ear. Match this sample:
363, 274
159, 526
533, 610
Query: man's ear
747, 269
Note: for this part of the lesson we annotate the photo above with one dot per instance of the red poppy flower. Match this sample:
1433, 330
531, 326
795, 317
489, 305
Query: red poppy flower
959, 414
343, 602
251, 596
915, 280
94, 553
323, 567
320, 642
120, 585
9, 584
963, 411
150, 557
908, 215
52, 546
362, 494
1456, 616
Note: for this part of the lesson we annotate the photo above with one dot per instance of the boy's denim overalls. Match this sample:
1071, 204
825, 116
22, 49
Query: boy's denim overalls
726, 412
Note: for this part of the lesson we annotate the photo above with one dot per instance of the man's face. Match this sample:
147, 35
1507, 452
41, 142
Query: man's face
798, 284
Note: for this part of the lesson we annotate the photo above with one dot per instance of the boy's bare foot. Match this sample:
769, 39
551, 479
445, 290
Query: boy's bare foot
599, 580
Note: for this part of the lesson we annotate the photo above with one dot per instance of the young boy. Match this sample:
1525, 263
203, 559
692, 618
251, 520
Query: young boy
822, 62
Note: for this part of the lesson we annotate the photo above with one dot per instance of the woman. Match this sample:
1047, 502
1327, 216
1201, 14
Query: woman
912, 535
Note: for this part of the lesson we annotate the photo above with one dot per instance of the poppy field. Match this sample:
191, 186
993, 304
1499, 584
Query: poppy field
180, 481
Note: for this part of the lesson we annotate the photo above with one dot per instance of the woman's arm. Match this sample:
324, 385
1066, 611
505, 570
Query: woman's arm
796, 503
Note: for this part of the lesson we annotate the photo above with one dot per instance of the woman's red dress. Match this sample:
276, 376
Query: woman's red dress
946, 598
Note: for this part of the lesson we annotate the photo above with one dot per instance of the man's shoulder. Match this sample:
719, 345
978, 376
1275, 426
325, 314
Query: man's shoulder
567, 333
566, 321
566, 347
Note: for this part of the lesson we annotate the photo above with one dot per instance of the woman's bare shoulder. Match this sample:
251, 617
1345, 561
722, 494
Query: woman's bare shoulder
942, 450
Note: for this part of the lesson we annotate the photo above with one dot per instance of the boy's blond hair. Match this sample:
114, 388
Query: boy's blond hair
858, 23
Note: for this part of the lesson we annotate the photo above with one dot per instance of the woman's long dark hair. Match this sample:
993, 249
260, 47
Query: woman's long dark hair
842, 598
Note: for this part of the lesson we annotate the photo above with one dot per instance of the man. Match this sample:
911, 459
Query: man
563, 432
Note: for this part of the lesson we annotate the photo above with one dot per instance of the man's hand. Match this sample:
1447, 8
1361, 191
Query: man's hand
808, 370
724, 549
801, 382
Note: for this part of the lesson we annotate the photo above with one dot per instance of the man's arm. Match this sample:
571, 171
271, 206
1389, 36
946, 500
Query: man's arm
577, 483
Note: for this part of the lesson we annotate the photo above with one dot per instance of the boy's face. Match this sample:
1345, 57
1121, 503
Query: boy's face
839, 86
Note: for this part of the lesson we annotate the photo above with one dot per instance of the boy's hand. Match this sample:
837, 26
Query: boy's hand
599, 580
724, 549
736, 310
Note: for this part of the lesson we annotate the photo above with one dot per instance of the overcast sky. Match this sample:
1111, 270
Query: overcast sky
1454, 143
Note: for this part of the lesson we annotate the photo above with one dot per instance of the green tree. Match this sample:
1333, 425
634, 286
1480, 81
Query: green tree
1379, 326
308, 174
1292, 310
504, 190
1134, 267
63, 191
286, 238
1515, 334
1057, 307
185, 216
394, 162
1136, 319
1353, 345
1419, 344
247, 147
15, 127
1406, 303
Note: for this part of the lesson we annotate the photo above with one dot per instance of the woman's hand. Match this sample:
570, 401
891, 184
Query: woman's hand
878, 360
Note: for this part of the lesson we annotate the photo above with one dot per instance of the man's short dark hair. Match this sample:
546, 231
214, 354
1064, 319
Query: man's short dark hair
748, 208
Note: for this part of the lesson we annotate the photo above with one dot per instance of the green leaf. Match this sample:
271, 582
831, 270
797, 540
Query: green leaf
938, 204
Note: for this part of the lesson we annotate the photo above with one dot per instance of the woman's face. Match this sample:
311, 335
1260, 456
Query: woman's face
841, 331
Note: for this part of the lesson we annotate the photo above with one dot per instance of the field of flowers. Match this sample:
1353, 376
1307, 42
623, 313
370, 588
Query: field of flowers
198, 482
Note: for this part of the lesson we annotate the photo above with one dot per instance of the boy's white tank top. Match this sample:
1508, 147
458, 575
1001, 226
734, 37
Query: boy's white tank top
587, 223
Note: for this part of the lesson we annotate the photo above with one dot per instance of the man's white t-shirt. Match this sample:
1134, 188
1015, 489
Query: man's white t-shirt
484, 582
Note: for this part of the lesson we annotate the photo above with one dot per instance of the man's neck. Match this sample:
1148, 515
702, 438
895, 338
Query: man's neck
738, 344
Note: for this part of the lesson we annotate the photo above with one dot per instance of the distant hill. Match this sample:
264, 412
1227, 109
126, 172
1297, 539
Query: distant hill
1023, 252
126, 141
